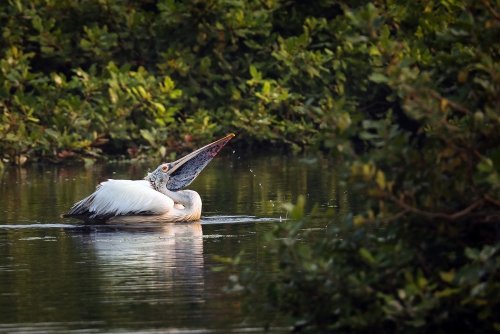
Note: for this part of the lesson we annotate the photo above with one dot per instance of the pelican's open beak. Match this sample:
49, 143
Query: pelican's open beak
183, 171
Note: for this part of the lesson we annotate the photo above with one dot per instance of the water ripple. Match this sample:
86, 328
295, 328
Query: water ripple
205, 220
19, 226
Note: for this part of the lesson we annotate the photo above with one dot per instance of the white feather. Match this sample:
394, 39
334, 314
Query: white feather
122, 197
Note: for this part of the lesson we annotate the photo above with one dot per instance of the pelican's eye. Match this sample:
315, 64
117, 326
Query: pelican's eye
164, 168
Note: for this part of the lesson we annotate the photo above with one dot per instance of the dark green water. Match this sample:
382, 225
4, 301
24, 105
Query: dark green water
57, 275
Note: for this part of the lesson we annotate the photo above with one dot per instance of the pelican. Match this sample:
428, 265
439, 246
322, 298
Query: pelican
156, 198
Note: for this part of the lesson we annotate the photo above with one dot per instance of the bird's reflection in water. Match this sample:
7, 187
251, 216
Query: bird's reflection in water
152, 264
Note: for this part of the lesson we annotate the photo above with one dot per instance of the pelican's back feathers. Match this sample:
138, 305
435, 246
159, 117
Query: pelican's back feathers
121, 197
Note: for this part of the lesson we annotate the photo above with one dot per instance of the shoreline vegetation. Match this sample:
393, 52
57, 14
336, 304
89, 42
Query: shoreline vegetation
405, 94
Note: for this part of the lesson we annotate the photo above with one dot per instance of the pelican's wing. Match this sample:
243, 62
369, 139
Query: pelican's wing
121, 197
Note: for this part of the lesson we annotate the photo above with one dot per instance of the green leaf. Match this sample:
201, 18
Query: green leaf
47, 50
467, 275
54, 134
446, 292
37, 23
472, 253
485, 166
487, 252
149, 137
266, 88
168, 84
254, 73
447, 276
366, 255
159, 106
143, 92
175, 94
378, 78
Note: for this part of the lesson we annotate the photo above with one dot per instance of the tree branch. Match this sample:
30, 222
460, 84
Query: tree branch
452, 217
389, 219
491, 200
492, 11
452, 104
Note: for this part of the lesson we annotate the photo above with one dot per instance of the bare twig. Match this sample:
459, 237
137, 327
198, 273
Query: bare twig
452, 217
51, 42
491, 200
421, 104
389, 219
452, 104
492, 11
397, 216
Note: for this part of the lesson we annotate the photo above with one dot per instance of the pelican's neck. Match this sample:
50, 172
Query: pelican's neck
189, 199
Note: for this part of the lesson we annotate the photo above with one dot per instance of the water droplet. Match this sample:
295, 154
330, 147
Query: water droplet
234, 151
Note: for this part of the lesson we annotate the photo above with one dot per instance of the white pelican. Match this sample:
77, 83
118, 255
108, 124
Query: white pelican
156, 198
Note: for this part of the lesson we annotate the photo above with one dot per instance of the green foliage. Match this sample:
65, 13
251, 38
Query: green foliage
422, 101
79, 76
404, 277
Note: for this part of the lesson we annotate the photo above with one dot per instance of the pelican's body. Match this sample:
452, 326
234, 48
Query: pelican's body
156, 198
128, 201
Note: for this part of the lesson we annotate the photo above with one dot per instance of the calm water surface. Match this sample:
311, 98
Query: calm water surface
57, 275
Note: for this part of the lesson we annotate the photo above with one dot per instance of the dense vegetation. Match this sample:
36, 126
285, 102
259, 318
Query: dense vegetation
407, 94
422, 93
80, 77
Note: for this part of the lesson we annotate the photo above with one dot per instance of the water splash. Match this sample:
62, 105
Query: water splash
207, 220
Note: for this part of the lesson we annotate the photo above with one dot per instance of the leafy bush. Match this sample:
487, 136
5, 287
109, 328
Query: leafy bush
426, 156
79, 76
404, 277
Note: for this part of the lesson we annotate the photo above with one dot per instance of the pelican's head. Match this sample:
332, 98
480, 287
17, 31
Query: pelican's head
180, 173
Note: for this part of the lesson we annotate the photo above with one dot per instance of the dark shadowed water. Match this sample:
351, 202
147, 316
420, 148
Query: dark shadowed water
57, 275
